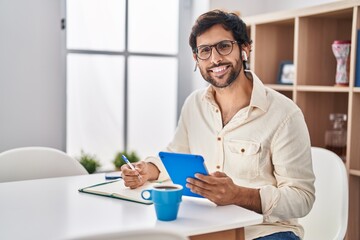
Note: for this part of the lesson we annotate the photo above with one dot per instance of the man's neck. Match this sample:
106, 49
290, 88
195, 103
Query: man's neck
234, 97
237, 94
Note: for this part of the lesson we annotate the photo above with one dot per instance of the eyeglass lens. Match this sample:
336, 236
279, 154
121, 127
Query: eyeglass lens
223, 48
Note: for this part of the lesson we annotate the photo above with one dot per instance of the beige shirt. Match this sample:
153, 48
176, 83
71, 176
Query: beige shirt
265, 145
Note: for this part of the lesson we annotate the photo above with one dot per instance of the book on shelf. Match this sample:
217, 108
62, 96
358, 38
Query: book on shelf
357, 65
117, 189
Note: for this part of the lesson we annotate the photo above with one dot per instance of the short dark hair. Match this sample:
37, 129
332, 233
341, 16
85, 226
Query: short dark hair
229, 21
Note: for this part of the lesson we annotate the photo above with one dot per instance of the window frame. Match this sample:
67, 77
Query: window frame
127, 54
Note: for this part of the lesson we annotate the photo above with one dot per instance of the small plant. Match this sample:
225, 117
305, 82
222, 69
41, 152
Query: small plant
132, 156
90, 162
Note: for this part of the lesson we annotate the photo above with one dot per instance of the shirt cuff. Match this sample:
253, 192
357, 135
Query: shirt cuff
269, 198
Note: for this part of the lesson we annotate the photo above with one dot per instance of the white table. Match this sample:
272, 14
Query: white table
54, 209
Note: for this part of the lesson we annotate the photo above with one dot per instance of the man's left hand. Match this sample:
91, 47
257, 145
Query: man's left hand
217, 187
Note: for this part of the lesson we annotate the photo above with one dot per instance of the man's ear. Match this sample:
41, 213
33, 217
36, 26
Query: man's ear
247, 49
244, 55
196, 61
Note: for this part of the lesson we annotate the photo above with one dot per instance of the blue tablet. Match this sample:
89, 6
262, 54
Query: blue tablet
181, 166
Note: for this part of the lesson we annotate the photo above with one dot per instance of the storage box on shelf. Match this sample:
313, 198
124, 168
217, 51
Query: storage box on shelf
305, 37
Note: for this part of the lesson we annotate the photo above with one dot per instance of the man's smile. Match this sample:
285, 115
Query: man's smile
220, 70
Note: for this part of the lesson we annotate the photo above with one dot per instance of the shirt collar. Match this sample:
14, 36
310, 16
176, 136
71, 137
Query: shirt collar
259, 94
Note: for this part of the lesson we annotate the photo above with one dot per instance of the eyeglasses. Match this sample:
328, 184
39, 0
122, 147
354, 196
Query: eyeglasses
224, 48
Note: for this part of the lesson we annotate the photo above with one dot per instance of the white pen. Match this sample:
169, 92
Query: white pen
130, 165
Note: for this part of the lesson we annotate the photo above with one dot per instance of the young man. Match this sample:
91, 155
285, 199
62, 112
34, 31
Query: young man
254, 140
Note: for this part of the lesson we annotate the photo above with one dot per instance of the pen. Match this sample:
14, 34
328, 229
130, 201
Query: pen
130, 165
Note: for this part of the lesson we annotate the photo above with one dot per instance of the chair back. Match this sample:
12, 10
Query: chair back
144, 234
329, 216
37, 162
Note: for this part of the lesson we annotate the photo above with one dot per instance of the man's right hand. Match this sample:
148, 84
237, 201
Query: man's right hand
147, 171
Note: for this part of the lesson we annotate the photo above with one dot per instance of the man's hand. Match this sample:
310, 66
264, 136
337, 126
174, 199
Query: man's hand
131, 177
147, 171
217, 187
220, 189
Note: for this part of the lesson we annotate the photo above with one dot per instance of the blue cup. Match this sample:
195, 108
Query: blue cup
166, 199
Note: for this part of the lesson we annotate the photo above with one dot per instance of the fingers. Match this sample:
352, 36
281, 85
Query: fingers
198, 190
216, 187
133, 183
197, 186
210, 192
131, 177
204, 182
213, 178
127, 171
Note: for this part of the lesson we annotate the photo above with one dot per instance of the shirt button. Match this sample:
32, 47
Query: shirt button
218, 167
242, 150
217, 110
219, 138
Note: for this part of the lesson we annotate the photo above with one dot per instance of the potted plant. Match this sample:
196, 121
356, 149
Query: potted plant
90, 162
132, 156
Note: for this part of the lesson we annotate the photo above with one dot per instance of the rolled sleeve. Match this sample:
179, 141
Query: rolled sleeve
294, 194
163, 176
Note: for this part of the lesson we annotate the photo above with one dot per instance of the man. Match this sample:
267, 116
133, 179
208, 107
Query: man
254, 140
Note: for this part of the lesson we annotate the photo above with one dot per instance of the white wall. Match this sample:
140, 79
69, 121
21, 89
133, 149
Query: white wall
253, 7
32, 74
199, 7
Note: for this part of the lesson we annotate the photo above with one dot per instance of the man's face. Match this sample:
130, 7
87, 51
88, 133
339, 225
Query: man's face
220, 71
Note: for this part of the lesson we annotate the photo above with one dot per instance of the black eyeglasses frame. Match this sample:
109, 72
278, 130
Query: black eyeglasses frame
215, 45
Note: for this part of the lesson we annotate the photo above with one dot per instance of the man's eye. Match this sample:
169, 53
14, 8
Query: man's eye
204, 50
224, 46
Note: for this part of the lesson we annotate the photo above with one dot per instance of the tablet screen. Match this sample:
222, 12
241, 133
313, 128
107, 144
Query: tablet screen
181, 166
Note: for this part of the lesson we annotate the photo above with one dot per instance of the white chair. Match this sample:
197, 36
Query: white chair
37, 162
329, 216
146, 234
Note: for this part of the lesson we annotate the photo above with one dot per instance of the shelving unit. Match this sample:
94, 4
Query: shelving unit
304, 36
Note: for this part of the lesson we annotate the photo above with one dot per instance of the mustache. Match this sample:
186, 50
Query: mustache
218, 65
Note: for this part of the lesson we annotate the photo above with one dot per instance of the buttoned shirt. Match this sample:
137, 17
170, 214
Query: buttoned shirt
265, 145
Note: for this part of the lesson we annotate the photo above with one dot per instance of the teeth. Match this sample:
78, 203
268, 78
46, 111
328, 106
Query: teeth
218, 69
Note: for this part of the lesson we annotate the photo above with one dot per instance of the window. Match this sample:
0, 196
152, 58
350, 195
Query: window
122, 76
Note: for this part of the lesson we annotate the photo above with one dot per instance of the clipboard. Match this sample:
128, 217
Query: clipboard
181, 166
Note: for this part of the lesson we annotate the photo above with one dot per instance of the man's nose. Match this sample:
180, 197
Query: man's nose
216, 58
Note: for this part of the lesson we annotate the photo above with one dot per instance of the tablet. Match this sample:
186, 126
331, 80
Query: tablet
181, 166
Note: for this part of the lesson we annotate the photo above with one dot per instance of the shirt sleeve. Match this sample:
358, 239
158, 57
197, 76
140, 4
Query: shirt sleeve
294, 195
163, 176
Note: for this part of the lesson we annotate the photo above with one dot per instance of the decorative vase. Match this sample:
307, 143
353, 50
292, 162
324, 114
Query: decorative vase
341, 50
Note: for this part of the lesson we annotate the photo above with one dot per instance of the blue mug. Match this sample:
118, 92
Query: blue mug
166, 199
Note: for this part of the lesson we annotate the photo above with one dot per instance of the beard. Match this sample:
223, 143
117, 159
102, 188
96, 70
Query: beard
232, 76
